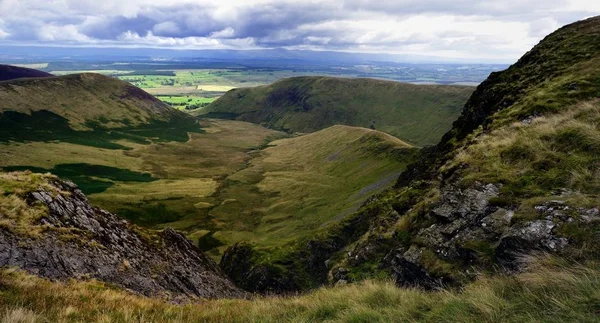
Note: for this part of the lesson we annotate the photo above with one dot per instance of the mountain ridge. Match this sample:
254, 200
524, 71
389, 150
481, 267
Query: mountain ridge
10, 72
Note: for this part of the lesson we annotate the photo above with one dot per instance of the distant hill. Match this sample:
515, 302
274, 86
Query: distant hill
9, 72
68, 107
84, 100
419, 114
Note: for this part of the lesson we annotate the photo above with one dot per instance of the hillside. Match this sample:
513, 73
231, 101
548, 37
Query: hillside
48, 228
418, 114
87, 109
85, 100
517, 174
9, 72
297, 185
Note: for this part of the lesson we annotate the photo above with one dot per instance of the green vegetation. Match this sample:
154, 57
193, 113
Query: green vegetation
86, 101
186, 102
551, 291
200, 82
86, 175
418, 114
16, 214
550, 153
296, 186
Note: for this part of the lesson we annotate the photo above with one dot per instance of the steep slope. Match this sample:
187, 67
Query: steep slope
49, 229
518, 174
9, 72
419, 114
298, 185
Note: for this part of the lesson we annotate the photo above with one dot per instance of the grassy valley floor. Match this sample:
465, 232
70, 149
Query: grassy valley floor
229, 182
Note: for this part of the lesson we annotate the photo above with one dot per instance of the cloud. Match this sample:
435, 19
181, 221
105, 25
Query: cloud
460, 28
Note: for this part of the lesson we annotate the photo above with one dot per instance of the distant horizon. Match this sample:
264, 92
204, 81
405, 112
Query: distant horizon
124, 51
464, 30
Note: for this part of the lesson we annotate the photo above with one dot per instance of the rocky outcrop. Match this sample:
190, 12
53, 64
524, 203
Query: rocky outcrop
467, 231
78, 240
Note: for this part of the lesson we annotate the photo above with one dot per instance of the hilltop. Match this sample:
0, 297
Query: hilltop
89, 109
418, 114
85, 101
9, 72
516, 175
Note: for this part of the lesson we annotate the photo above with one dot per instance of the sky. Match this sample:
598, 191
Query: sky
466, 29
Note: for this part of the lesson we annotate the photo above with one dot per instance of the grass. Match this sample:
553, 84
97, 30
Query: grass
296, 186
418, 114
219, 187
556, 151
550, 291
85, 98
185, 101
16, 215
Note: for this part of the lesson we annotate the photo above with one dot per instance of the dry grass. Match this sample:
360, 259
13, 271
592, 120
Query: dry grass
16, 215
558, 151
550, 291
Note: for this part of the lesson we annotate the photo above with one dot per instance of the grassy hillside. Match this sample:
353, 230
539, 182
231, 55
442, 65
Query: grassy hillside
532, 131
85, 101
518, 173
418, 114
550, 292
298, 185
8, 72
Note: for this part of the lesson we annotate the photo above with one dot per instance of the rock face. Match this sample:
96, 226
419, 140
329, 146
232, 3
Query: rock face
82, 241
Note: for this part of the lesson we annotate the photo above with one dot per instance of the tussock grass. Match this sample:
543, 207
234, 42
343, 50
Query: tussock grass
551, 290
557, 151
16, 215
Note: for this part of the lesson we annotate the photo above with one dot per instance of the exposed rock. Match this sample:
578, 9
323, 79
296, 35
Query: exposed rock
407, 272
82, 241
458, 203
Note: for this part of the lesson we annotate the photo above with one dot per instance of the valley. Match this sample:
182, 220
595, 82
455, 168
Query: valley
268, 189
219, 181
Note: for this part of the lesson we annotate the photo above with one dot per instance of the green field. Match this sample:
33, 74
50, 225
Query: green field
186, 102
201, 82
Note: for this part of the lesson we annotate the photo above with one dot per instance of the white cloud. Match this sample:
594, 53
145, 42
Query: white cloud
502, 29
225, 33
